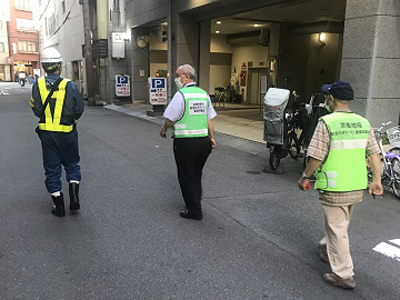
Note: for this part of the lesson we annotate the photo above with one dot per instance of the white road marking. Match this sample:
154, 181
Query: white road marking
389, 250
397, 242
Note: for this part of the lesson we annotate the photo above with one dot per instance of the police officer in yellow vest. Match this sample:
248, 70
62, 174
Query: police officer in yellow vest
57, 129
190, 114
337, 154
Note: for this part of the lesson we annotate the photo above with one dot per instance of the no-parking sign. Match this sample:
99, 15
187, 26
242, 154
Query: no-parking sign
158, 90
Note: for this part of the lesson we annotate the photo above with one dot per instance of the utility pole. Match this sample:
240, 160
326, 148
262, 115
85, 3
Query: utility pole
170, 72
88, 51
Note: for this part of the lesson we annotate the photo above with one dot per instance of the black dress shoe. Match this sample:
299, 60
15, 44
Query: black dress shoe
191, 215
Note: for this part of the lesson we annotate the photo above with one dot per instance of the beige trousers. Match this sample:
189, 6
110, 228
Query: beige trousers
337, 220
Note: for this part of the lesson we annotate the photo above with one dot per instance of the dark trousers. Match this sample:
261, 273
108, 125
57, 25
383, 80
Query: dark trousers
190, 156
60, 149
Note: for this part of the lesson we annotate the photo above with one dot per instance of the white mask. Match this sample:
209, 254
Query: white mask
178, 83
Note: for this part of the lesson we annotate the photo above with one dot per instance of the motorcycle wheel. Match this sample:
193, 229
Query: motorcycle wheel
274, 160
293, 146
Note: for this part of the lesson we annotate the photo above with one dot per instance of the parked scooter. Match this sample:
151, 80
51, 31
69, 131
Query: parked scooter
275, 102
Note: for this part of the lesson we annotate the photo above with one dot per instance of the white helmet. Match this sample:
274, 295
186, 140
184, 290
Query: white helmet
51, 60
50, 55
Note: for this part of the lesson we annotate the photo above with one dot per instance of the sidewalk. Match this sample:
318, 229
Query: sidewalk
245, 123
240, 127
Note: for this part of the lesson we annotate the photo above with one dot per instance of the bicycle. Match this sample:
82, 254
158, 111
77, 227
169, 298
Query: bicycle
221, 95
391, 160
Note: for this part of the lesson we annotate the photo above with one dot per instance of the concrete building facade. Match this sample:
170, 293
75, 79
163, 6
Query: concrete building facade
238, 46
361, 46
61, 24
5, 60
23, 39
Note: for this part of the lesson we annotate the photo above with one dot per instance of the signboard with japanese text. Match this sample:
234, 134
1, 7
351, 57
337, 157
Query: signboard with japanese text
158, 90
122, 85
26, 25
118, 45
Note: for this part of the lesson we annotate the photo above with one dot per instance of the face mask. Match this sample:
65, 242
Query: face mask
178, 83
328, 108
330, 104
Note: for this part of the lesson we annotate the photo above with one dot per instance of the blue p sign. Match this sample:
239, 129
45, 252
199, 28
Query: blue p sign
158, 83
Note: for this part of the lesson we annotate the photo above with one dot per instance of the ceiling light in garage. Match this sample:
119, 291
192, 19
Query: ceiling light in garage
218, 22
217, 32
322, 36
256, 25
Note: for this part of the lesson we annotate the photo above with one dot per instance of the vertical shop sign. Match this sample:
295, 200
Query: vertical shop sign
118, 45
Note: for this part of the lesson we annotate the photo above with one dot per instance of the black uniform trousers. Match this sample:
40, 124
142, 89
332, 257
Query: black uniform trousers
190, 156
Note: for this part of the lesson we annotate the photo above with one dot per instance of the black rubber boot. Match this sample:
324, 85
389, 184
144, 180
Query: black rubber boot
74, 196
58, 208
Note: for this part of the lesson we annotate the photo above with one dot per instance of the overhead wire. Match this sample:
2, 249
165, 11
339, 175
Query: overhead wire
65, 20
47, 5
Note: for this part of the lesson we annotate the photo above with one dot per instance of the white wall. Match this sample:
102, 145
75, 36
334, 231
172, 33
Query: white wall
220, 74
254, 54
218, 44
69, 39
5, 54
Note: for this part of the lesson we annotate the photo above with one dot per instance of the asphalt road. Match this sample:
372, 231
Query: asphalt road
258, 238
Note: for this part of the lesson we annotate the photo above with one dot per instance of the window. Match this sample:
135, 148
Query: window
1, 47
27, 46
45, 27
52, 25
22, 4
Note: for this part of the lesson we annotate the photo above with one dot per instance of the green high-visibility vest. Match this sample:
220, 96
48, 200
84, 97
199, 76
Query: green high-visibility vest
344, 169
194, 120
52, 122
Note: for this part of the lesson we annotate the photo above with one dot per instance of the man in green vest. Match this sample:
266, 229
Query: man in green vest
58, 104
337, 154
190, 115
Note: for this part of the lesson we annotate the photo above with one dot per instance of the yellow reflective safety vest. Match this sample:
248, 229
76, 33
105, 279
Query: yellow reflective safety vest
52, 122
344, 169
194, 120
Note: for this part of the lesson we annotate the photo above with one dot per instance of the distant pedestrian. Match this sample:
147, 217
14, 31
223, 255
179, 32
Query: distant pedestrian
190, 114
337, 153
22, 78
30, 79
58, 104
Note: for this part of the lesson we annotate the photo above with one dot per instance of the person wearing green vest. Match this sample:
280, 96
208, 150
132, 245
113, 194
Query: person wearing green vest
58, 104
337, 154
190, 115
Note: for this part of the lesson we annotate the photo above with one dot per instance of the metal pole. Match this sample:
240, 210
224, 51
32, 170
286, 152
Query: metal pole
170, 72
88, 51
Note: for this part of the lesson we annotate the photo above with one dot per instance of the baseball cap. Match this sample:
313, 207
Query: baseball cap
339, 90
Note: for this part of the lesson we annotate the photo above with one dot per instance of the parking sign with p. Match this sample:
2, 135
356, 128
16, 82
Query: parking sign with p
158, 90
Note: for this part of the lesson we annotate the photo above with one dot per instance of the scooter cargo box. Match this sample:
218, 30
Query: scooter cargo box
275, 102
